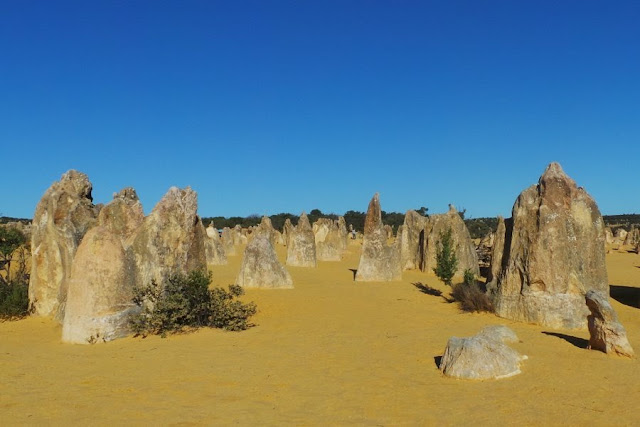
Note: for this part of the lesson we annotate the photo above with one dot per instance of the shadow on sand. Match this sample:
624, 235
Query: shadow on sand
426, 289
437, 359
578, 342
625, 295
354, 271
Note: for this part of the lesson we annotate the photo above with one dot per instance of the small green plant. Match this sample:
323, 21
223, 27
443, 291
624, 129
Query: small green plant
446, 260
186, 302
14, 300
469, 277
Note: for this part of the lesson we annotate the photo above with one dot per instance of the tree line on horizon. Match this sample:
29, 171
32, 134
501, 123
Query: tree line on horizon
478, 227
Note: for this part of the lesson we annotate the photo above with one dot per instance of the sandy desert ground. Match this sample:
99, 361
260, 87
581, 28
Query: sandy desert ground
329, 352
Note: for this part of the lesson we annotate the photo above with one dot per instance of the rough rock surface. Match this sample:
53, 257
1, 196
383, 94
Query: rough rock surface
260, 267
228, 241
301, 251
344, 234
633, 237
266, 227
101, 282
412, 238
606, 332
329, 240
214, 249
100, 290
63, 216
608, 235
170, 240
497, 253
554, 254
379, 261
483, 356
123, 215
287, 229
465, 249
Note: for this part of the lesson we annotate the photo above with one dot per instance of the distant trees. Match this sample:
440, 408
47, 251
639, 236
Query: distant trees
11, 240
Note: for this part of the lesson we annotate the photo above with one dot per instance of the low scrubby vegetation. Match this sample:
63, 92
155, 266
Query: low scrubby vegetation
185, 302
470, 295
14, 300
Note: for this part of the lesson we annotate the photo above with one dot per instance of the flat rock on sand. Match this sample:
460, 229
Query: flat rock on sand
482, 356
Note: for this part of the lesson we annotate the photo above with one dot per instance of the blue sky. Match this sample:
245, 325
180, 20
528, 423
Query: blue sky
283, 106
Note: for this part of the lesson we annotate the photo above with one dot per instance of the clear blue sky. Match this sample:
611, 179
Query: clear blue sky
283, 106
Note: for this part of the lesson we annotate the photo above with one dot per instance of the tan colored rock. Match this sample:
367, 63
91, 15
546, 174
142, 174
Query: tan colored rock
482, 356
379, 261
170, 240
287, 229
239, 235
214, 249
606, 332
63, 216
464, 248
99, 301
620, 236
260, 267
389, 231
329, 240
301, 251
266, 227
228, 242
632, 238
608, 235
497, 253
123, 215
554, 254
344, 234
413, 240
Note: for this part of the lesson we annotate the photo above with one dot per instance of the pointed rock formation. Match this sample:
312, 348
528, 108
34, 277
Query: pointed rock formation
413, 240
329, 240
606, 332
99, 299
497, 253
301, 251
266, 227
63, 216
379, 261
214, 249
554, 254
227, 242
343, 233
464, 248
170, 240
287, 229
260, 267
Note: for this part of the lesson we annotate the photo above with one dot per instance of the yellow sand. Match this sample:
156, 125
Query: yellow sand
329, 352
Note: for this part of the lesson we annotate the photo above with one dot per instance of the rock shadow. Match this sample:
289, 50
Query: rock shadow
426, 289
437, 359
576, 341
626, 295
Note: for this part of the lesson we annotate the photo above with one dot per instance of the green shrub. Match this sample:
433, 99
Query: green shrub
186, 302
14, 300
446, 260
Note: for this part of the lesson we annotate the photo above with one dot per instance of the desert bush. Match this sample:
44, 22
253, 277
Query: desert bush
186, 302
14, 300
446, 260
470, 295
